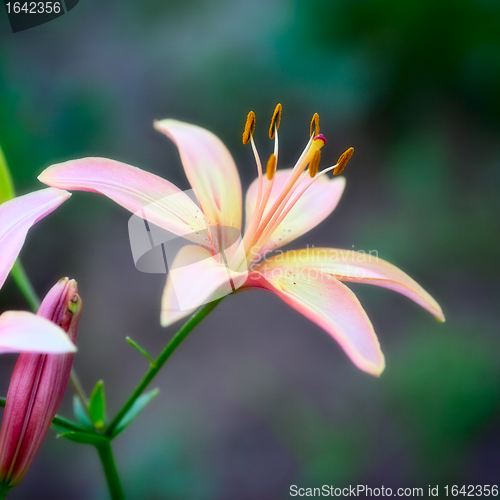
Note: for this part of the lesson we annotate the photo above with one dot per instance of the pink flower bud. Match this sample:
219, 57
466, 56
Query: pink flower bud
36, 388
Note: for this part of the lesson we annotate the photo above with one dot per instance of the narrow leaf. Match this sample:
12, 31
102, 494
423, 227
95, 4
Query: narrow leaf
6, 185
97, 405
139, 405
81, 413
141, 349
66, 426
85, 438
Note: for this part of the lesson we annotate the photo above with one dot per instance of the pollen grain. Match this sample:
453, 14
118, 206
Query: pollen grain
314, 125
275, 121
249, 127
343, 160
271, 167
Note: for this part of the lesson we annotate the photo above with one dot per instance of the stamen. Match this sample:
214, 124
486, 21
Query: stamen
343, 160
315, 125
266, 228
271, 167
314, 164
279, 216
259, 171
257, 215
313, 144
249, 127
262, 198
303, 159
275, 121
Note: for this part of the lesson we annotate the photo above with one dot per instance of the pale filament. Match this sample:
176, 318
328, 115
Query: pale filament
259, 170
261, 202
274, 225
297, 170
263, 229
264, 232
270, 182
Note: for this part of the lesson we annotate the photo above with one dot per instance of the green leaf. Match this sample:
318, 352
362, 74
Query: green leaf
140, 403
63, 427
85, 438
141, 349
97, 406
81, 413
6, 185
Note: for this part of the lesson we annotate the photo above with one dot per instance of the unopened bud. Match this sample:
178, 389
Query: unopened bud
36, 388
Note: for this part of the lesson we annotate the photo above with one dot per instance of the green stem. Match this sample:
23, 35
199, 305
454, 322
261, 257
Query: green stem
156, 365
61, 422
78, 389
108, 464
4, 489
24, 284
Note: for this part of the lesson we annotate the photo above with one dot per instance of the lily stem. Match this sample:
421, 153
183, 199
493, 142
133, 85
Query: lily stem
78, 388
25, 286
157, 364
4, 489
108, 464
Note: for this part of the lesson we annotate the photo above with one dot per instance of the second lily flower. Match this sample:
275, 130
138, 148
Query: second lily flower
37, 386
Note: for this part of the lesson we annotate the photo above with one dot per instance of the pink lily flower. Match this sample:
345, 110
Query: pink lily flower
37, 386
16, 218
281, 205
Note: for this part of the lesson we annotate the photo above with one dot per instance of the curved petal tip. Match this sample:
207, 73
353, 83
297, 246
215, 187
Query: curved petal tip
22, 331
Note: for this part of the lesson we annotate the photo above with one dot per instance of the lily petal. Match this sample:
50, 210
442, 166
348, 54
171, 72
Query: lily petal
16, 218
210, 170
22, 331
315, 205
355, 267
140, 192
331, 305
195, 278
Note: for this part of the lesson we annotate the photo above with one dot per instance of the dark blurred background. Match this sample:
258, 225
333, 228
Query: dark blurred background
258, 398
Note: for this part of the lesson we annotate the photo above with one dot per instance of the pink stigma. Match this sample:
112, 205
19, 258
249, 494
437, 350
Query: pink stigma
321, 137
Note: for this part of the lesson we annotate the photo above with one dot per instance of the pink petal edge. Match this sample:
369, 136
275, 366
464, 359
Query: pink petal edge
210, 169
17, 216
355, 267
22, 331
142, 193
333, 307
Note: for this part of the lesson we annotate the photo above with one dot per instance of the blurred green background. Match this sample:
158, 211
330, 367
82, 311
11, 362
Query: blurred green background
258, 398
